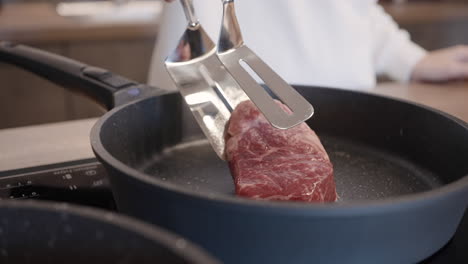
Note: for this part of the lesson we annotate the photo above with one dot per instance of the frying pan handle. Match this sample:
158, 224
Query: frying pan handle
104, 87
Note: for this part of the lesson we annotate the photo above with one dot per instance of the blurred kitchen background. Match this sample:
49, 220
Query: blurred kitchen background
119, 35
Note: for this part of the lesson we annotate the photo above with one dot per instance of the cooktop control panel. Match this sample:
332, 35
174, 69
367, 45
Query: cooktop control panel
82, 181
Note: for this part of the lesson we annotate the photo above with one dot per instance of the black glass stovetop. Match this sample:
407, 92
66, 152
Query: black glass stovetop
85, 182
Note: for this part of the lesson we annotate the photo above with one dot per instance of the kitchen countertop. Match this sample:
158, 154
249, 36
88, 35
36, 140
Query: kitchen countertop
427, 12
38, 145
449, 97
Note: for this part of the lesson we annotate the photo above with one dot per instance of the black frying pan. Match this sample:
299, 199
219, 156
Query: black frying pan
400, 170
46, 232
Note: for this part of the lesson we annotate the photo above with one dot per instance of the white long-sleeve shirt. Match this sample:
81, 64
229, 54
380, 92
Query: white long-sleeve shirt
332, 43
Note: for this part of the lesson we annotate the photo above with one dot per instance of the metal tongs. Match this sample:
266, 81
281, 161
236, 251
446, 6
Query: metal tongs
214, 79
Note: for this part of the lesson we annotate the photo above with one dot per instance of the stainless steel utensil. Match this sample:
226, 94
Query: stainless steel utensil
213, 82
207, 87
232, 52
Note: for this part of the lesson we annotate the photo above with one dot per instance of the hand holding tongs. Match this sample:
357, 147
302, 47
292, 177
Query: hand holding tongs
212, 80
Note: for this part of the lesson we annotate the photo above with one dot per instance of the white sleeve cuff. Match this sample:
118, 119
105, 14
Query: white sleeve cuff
400, 57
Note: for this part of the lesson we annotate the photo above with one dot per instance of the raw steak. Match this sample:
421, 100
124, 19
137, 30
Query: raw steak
272, 164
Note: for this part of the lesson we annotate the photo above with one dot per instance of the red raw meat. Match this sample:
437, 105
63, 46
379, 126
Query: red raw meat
272, 164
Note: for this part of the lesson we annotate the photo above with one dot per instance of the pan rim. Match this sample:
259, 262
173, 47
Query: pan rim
342, 208
156, 234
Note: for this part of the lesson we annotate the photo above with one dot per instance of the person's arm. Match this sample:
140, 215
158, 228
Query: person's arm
442, 65
401, 59
395, 55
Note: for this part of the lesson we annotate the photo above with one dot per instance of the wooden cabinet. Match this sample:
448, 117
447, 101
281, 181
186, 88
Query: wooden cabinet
26, 99
433, 24
124, 48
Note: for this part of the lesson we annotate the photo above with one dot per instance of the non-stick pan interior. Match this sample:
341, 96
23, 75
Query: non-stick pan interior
360, 172
379, 147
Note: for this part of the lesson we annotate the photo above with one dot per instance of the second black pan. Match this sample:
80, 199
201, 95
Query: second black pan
50, 232
400, 170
